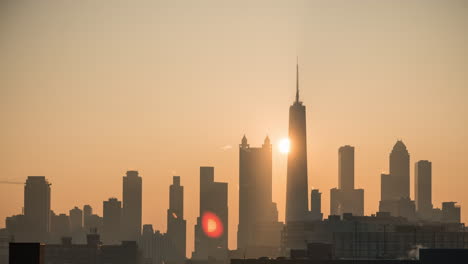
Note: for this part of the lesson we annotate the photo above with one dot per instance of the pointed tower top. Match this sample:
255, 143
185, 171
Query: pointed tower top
297, 79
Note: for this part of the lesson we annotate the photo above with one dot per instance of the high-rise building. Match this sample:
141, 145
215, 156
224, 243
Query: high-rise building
76, 219
176, 224
451, 212
255, 192
87, 212
112, 213
211, 230
37, 208
423, 189
346, 168
400, 170
147, 244
395, 197
346, 199
297, 186
316, 205
60, 227
132, 206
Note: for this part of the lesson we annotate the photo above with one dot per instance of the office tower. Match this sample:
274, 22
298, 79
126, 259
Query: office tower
60, 226
451, 212
176, 224
256, 208
346, 199
316, 205
395, 197
400, 170
112, 212
211, 230
346, 168
37, 208
76, 219
147, 243
297, 186
132, 207
423, 189
87, 212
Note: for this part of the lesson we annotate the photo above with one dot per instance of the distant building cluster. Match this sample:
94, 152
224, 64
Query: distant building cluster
400, 228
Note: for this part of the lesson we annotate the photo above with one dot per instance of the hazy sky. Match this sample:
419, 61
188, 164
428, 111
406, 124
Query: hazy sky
91, 89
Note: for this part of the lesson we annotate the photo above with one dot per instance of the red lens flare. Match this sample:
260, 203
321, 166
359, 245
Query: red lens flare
212, 225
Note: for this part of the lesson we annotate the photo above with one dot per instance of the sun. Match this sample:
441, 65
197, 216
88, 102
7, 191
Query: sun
284, 145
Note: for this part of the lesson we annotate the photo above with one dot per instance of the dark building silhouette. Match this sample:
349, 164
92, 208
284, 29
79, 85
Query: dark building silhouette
26, 253
297, 186
346, 199
87, 212
316, 205
451, 212
92, 252
112, 214
60, 227
395, 197
92, 223
147, 244
423, 189
76, 219
211, 243
132, 206
258, 227
176, 224
37, 208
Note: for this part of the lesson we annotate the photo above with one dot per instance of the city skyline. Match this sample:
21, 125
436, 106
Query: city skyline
84, 129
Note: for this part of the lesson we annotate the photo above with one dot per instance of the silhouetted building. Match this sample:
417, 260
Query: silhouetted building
60, 227
26, 253
176, 224
87, 212
316, 205
423, 189
256, 208
396, 184
403, 207
16, 226
297, 186
112, 214
93, 252
76, 225
211, 230
147, 244
76, 219
395, 197
451, 212
132, 206
37, 208
346, 199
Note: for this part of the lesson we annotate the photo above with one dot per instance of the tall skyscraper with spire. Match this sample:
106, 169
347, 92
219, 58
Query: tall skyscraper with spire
297, 187
176, 224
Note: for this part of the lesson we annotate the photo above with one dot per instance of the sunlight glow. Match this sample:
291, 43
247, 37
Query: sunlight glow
284, 145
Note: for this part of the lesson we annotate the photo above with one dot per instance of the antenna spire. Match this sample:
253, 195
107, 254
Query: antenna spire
297, 79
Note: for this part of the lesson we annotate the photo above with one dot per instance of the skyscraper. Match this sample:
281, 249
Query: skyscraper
37, 208
400, 170
258, 216
87, 212
211, 230
297, 186
112, 213
395, 197
316, 205
346, 168
132, 206
176, 224
423, 189
346, 199
76, 219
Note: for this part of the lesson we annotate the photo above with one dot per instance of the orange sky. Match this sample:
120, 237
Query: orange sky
91, 89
